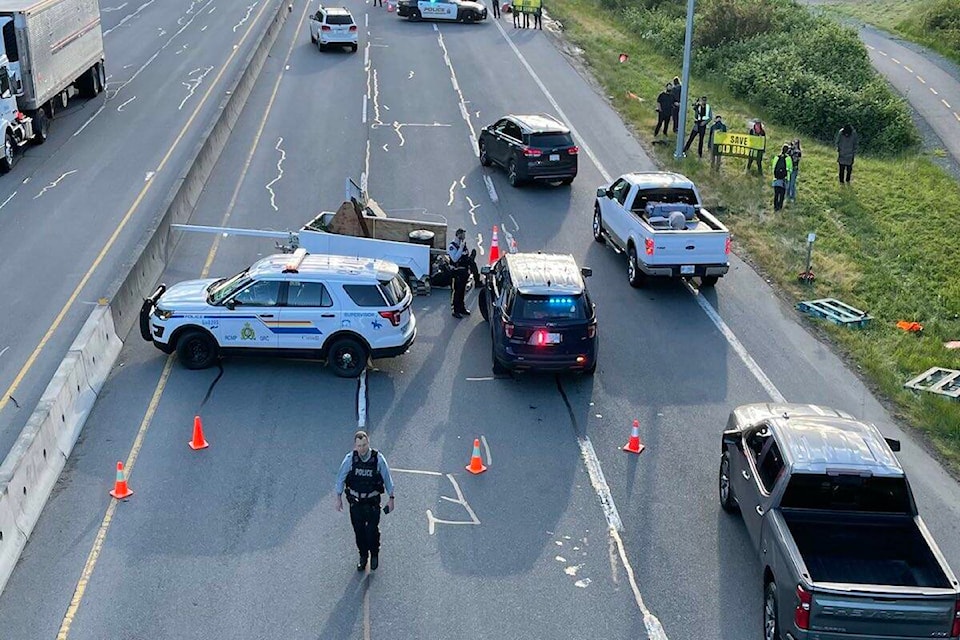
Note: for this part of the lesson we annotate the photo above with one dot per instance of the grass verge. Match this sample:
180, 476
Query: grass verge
889, 243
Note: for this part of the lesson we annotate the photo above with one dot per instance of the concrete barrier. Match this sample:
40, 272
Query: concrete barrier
30, 471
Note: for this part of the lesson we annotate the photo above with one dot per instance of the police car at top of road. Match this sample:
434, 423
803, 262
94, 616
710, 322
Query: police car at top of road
341, 309
452, 10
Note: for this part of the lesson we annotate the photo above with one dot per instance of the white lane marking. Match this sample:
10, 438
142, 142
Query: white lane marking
432, 521
127, 17
473, 208
142, 67
204, 28
121, 106
654, 628
366, 20
483, 441
883, 53
418, 471
920, 78
149, 175
945, 103
894, 59
366, 59
456, 87
366, 169
193, 83
54, 183
9, 198
599, 483
409, 77
491, 191
481, 379
4, 351
934, 91
452, 187
907, 69
871, 47
211, 11
362, 401
956, 115
516, 226
283, 156
738, 347
245, 18
364, 108
109, 9
553, 103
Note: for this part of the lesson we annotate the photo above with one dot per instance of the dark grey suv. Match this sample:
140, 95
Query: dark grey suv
536, 147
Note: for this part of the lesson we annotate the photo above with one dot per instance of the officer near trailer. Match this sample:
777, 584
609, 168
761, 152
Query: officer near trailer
365, 476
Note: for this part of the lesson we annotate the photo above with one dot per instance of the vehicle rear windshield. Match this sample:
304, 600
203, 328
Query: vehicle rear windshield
339, 19
549, 308
550, 140
364, 295
682, 196
394, 290
847, 493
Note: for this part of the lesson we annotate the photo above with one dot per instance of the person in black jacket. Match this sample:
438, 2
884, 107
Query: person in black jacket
701, 118
664, 110
677, 90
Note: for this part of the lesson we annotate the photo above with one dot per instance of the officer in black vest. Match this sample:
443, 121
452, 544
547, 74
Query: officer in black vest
365, 476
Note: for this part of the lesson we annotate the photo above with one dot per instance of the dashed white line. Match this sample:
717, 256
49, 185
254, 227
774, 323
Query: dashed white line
516, 226
456, 87
934, 91
883, 53
894, 60
956, 115
871, 47
364, 108
9, 198
366, 20
920, 78
945, 103
283, 156
54, 183
907, 69
491, 191
127, 17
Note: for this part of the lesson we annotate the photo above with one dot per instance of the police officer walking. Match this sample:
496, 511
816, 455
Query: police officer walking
465, 264
365, 476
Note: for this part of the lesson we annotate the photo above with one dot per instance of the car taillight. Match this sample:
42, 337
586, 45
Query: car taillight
538, 339
530, 152
353, 27
726, 246
648, 243
508, 330
392, 316
592, 330
956, 620
324, 28
573, 150
801, 616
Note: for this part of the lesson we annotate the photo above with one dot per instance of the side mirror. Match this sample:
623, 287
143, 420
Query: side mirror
485, 269
586, 272
230, 304
894, 444
602, 193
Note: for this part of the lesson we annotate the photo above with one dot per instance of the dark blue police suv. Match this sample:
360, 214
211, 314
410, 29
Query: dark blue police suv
540, 314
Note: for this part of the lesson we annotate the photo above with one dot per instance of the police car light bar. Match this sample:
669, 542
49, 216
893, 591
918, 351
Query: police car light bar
296, 259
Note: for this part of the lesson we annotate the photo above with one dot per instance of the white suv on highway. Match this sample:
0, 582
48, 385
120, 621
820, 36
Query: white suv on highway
333, 25
344, 310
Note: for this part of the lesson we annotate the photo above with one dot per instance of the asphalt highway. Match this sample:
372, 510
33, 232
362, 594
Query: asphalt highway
565, 535
72, 209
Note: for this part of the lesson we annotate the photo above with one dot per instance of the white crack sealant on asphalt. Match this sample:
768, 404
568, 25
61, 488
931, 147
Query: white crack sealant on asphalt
283, 156
54, 183
491, 190
472, 212
245, 18
464, 113
195, 79
125, 103
127, 17
486, 450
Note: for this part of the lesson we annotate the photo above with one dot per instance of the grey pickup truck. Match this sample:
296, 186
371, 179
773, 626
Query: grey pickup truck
828, 507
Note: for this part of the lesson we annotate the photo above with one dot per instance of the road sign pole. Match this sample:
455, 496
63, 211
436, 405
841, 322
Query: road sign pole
685, 86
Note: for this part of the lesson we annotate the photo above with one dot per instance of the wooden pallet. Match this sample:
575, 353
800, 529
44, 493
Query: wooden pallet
944, 382
835, 311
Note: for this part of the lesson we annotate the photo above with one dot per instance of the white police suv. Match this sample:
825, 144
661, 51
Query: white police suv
341, 309
333, 26
451, 10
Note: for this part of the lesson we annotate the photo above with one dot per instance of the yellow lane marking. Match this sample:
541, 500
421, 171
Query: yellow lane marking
123, 223
108, 517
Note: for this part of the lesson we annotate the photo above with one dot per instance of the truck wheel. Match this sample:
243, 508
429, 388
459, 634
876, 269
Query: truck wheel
484, 158
9, 159
347, 357
597, 224
771, 626
197, 350
708, 281
41, 127
512, 176
727, 501
634, 275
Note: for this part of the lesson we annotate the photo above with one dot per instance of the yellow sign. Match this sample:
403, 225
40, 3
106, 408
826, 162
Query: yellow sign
739, 145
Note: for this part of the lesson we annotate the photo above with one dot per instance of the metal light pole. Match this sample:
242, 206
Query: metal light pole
685, 86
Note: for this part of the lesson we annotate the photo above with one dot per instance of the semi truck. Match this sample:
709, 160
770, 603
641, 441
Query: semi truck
52, 51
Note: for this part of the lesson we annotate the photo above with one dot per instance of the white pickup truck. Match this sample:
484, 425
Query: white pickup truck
658, 220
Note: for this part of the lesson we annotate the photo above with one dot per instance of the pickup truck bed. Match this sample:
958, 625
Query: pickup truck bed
865, 549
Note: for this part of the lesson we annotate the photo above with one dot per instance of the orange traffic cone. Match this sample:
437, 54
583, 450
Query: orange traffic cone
198, 442
476, 464
634, 445
120, 488
494, 246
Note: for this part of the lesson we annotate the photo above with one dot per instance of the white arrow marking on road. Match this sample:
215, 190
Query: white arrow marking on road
54, 183
283, 156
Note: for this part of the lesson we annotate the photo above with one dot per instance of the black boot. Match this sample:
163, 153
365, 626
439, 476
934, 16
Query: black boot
374, 562
363, 562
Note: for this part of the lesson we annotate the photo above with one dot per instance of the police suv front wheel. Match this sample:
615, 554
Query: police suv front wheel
348, 357
197, 350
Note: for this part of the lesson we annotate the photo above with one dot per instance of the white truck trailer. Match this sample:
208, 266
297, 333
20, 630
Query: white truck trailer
52, 51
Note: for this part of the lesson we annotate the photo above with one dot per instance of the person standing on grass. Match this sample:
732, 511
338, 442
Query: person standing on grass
664, 110
756, 130
717, 127
677, 90
795, 154
782, 168
701, 118
846, 142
